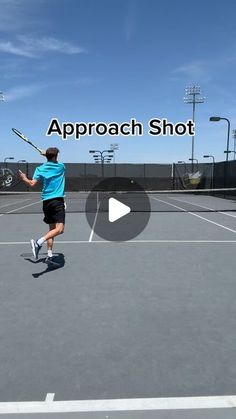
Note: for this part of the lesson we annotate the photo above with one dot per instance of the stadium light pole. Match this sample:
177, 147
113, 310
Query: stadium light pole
105, 160
101, 152
217, 119
108, 156
193, 97
96, 157
192, 160
209, 156
114, 147
228, 151
101, 155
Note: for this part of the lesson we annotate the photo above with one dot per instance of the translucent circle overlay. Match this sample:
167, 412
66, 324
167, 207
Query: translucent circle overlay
128, 192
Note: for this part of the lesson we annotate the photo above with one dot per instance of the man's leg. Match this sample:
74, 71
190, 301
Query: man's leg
50, 241
57, 229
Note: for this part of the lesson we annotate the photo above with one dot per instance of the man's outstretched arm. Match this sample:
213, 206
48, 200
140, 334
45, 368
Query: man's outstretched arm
28, 182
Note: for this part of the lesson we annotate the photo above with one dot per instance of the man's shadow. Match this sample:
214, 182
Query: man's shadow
57, 263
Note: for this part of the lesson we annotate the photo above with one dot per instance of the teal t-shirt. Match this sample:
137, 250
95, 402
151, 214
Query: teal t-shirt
52, 176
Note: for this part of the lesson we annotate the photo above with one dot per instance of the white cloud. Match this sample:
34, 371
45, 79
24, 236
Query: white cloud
10, 48
204, 70
48, 44
196, 70
22, 92
31, 47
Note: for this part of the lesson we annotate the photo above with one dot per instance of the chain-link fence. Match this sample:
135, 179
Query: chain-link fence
85, 176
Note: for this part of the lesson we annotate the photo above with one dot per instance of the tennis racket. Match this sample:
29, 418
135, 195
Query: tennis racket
24, 138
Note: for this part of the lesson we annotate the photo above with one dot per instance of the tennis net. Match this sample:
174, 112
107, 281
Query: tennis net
197, 200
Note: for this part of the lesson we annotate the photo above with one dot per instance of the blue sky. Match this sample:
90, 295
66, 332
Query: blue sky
110, 60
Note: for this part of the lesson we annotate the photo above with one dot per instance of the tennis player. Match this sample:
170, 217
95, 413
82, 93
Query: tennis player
52, 177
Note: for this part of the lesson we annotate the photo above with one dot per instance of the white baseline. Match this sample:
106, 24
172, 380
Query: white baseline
112, 405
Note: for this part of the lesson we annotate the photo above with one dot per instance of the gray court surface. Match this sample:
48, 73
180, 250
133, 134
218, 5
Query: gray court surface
150, 318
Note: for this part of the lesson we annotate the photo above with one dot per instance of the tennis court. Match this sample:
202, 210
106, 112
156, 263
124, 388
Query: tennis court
143, 328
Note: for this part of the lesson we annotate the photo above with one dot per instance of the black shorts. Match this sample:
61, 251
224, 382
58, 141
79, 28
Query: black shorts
54, 211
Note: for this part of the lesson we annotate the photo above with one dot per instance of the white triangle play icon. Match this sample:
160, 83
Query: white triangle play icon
117, 210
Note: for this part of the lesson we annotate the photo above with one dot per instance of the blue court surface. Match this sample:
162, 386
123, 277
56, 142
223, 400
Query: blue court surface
138, 329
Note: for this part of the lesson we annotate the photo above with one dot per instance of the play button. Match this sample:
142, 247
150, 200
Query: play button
117, 209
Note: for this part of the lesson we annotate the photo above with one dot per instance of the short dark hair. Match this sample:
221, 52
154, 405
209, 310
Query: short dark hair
51, 153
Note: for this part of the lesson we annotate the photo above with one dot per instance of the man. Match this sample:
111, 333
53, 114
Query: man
52, 176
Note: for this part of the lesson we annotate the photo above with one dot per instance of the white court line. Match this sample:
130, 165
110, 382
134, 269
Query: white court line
203, 206
168, 203
147, 241
94, 223
125, 242
196, 215
17, 209
115, 405
213, 222
14, 203
49, 397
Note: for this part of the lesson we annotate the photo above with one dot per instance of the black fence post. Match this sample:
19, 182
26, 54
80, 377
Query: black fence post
173, 176
85, 178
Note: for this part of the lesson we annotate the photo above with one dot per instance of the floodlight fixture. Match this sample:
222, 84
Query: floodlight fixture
215, 118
